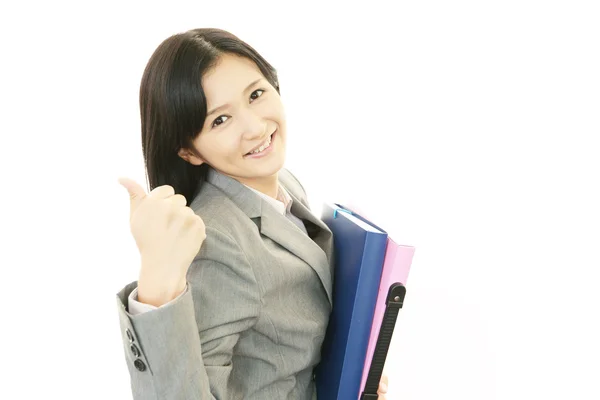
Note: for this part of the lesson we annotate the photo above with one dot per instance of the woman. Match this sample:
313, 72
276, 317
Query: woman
234, 291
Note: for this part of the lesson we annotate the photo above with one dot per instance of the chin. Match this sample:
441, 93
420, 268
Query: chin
271, 169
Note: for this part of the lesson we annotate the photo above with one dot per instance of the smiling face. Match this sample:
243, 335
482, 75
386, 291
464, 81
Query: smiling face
244, 132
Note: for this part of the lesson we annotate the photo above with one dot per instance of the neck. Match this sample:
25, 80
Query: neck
268, 185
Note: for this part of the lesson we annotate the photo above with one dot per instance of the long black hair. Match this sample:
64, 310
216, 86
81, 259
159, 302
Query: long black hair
173, 104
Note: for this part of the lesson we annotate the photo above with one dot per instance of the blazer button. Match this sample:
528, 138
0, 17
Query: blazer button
135, 350
139, 364
129, 336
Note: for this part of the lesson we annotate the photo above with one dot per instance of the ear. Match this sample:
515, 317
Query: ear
190, 157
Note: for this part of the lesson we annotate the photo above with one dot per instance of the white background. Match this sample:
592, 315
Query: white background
468, 129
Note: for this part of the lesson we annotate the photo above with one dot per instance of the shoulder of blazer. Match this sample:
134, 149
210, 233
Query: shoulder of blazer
216, 209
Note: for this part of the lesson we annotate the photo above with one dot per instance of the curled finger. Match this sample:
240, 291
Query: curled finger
178, 200
162, 192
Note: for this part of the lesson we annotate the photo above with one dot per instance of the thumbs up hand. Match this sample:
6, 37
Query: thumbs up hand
168, 235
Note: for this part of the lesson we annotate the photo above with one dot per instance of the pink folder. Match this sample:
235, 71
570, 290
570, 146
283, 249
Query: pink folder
396, 265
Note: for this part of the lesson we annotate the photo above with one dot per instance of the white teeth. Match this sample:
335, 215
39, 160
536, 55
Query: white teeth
264, 146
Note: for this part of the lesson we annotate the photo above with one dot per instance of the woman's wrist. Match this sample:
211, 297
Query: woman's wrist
156, 292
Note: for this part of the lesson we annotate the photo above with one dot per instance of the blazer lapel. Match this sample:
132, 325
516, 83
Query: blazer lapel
316, 249
283, 231
317, 229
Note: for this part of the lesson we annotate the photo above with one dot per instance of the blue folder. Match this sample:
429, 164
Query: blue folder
359, 252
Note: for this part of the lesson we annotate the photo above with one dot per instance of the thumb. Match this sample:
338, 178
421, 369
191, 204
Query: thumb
136, 192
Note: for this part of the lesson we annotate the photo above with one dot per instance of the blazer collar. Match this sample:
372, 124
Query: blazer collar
316, 249
246, 200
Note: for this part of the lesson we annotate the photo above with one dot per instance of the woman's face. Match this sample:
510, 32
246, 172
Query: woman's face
244, 113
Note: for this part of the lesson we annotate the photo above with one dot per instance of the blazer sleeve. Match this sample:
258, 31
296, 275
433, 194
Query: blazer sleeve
184, 349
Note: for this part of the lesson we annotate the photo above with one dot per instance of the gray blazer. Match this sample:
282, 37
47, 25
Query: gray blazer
252, 320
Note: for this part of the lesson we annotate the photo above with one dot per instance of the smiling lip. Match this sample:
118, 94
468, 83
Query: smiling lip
265, 151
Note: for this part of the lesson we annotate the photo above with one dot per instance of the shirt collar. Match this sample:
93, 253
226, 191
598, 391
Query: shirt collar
283, 202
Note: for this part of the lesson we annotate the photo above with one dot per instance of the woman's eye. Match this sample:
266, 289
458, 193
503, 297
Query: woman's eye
255, 95
256, 91
219, 121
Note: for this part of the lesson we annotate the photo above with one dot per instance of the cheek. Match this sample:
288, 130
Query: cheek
280, 111
273, 109
225, 146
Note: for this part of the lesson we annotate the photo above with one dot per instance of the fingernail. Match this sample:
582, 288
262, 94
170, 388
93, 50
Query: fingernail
383, 387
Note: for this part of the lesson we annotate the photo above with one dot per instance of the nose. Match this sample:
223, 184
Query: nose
254, 127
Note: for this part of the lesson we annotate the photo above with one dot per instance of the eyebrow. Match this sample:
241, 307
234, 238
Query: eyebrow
225, 105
